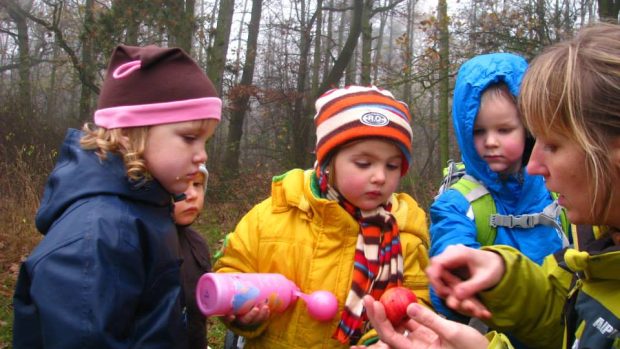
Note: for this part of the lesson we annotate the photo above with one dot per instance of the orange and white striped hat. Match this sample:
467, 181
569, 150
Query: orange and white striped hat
357, 112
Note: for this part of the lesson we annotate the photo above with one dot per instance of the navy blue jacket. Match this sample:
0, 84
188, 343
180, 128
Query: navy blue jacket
106, 274
452, 220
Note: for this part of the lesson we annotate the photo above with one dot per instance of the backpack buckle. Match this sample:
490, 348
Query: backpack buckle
510, 221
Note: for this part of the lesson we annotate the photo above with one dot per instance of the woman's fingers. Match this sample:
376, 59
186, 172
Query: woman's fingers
429, 319
463, 272
471, 307
444, 333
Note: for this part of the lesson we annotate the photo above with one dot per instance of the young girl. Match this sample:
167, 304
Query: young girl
195, 254
339, 227
495, 148
568, 100
106, 274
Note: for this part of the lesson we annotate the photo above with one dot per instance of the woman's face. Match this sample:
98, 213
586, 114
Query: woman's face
562, 163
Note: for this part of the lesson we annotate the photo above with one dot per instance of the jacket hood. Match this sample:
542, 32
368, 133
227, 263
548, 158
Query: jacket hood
80, 174
475, 76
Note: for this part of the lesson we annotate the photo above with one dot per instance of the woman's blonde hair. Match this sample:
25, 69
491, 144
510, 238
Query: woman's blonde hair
572, 89
105, 141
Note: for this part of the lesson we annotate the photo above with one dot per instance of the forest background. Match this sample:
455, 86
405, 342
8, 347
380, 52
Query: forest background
269, 61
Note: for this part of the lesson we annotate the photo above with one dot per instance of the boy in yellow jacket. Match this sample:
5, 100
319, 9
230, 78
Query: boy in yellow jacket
339, 227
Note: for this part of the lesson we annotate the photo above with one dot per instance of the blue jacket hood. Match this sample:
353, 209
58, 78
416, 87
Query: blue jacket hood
473, 78
80, 173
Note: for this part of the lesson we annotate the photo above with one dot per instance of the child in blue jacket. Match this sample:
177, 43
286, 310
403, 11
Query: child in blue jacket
495, 147
106, 274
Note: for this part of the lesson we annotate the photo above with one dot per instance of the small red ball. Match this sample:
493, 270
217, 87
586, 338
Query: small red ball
395, 300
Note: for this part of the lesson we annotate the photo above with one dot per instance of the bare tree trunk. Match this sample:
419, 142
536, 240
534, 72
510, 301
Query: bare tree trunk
407, 87
377, 59
328, 44
608, 10
590, 11
366, 43
582, 11
181, 23
349, 73
541, 23
390, 49
51, 90
217, 54
132, 28
24, 86
568, 21
444, 77
301, 124
241, 98
237, 63
348, 49
88, 61
316, 64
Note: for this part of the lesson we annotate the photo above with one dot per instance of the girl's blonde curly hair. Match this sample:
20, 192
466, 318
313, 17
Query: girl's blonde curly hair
105, 141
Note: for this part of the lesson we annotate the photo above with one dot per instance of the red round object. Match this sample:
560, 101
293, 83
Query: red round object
395, 300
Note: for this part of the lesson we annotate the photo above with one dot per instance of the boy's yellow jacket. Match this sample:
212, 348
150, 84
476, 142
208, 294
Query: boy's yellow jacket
571, 301
312, 241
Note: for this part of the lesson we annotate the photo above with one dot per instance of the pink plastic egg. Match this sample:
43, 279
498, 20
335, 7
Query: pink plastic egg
322, 305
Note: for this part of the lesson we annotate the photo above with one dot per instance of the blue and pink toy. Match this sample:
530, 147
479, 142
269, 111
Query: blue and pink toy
219, 294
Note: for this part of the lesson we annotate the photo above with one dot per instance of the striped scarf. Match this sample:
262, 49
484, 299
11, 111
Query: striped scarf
378, 264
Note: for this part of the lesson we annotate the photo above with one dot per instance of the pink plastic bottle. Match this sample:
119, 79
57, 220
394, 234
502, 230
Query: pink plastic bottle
219, 294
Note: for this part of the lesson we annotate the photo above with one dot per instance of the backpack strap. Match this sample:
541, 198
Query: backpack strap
451, 174
547, 217
483, 206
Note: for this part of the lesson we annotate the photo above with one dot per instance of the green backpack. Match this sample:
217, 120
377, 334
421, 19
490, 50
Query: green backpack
486, 217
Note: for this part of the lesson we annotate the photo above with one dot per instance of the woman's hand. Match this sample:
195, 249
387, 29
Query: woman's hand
424, 330
460, 273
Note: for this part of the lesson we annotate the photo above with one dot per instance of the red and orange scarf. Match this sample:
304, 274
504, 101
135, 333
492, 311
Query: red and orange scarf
378, 264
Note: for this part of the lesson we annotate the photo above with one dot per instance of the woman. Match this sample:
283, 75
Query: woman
569, 100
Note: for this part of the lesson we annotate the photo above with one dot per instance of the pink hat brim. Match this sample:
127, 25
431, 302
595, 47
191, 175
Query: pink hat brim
159, 113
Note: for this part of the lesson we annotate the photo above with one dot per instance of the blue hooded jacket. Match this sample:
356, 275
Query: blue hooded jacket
106, 274
517, 195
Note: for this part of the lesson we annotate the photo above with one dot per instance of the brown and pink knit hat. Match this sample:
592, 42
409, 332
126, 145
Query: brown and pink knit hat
357, 112
153, 85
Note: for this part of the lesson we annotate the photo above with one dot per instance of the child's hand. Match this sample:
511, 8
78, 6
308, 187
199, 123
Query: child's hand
257, 315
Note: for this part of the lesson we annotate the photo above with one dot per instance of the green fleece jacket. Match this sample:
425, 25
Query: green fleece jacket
571, 301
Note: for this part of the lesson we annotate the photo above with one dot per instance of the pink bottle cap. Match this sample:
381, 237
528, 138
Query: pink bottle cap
214, 298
